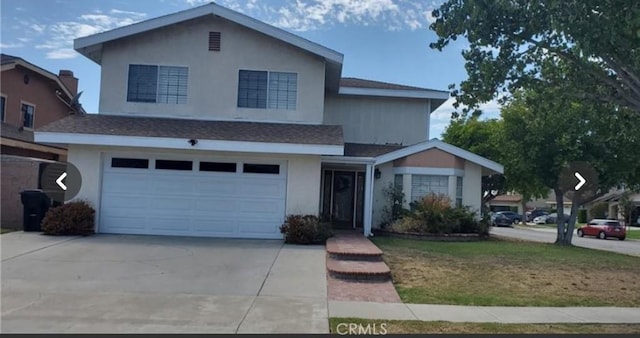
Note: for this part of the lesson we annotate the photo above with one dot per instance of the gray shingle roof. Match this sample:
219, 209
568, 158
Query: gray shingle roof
362, 83
368, 150
13, 132
199, 129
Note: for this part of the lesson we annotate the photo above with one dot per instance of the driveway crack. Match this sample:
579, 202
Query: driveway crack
260, 289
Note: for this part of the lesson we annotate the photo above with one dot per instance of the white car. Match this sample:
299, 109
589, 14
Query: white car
542, 219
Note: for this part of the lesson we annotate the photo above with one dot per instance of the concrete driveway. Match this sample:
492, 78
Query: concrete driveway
113, 283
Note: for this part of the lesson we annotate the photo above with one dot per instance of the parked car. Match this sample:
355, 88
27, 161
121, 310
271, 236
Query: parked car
513, 216
535, 213
501, 220
553, 218
603, 228
542, 219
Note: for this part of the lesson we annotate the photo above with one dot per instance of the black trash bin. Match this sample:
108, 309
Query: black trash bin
35, 205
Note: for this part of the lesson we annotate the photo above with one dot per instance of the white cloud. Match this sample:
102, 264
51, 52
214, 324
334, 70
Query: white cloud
441, 117
303, 15
10, 45
59, 36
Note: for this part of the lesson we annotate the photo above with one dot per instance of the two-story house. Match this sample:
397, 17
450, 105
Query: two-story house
213, 123
30, 97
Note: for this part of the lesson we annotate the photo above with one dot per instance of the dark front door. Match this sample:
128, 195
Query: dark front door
343, 192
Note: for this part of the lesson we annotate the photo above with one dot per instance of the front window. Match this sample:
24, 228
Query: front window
262, 89
157, 84
3, 102
422, 185
27, 115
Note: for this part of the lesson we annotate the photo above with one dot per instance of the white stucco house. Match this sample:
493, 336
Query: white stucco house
212, 123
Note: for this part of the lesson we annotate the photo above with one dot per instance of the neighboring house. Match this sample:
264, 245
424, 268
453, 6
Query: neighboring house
507, 202
30, 97
216, 124
612, 199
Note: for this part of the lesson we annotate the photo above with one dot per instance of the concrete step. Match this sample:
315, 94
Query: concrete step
358, 270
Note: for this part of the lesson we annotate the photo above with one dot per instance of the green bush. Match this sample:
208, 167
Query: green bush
433, 214
599, 210
307, 229
582, 216
73, 218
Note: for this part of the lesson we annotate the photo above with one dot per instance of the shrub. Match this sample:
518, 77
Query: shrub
395, 200
73, 218
599, 210
407, 224
582, 216
307, 229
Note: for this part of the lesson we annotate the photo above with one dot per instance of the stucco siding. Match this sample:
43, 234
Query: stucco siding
213, 76
380, 202
472, 186
303, 185
433, 158
368, 119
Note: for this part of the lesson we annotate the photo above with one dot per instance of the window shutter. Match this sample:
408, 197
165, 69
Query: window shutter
214, 41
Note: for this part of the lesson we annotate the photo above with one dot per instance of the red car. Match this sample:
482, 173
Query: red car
603, 228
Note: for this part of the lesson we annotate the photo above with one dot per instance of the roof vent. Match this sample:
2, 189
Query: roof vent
214, 41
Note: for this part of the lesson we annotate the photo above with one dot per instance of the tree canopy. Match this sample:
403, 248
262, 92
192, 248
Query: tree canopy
598, 41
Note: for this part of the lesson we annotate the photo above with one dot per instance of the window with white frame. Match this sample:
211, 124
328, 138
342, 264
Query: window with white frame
262, 89
422, 185
28, 112
459, 191
157, 84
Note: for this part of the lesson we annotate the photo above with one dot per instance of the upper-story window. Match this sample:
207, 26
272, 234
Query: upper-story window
262, 89
3, 103
157, 84
28, 112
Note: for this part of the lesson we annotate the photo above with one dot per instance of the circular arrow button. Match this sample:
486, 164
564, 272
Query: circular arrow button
579, 179
61, 181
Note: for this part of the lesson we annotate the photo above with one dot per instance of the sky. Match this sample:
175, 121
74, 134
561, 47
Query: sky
382, 40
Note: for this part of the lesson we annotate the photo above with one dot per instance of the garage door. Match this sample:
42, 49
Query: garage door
192, 197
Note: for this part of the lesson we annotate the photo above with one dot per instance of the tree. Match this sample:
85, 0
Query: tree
558, 130
481, 137
597, 40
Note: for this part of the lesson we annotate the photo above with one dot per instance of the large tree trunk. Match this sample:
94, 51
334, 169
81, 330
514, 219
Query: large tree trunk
560, 219
575, 204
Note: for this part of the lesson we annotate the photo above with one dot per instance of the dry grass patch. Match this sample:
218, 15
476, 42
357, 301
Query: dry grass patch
414, 326
510, 273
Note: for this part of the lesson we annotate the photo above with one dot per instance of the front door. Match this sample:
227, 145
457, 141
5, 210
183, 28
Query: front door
343, 197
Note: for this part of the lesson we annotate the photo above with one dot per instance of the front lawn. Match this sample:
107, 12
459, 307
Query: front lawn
415, 326
510, 273
5, 230
633, 234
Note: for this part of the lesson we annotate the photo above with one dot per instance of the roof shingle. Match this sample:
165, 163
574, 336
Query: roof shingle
199, 129
368, 150
362, 83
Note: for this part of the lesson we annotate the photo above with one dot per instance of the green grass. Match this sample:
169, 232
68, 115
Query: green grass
510, 273
5, 230
415, 326
633, 234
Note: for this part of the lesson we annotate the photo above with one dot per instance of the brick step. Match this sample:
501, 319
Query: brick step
353, 247
359, 270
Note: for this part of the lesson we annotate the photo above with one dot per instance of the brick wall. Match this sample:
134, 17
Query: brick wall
17, 174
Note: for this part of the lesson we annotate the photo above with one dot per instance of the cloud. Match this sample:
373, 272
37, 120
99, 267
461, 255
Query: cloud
441, 117
305, 15
11, 45
59, 36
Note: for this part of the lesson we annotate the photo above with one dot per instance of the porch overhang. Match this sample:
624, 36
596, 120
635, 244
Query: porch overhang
348, 160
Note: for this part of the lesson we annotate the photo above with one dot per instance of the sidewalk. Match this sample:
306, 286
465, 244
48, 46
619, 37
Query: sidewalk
484, 314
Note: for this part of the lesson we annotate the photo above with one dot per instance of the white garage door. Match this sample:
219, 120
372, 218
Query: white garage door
192, 197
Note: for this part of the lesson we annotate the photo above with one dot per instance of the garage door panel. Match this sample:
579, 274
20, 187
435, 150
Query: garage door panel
121, 182
192, 203
258, 227
123, 223
168, 224
124, 201
215, 227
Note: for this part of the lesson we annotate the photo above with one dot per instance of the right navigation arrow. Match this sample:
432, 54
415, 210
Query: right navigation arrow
581, 181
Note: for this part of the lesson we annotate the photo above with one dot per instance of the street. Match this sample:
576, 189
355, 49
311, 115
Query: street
548, 235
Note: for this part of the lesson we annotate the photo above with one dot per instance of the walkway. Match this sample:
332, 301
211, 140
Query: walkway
483, 314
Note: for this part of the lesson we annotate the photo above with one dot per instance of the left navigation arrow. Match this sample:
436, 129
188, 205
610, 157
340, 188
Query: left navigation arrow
59, 181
